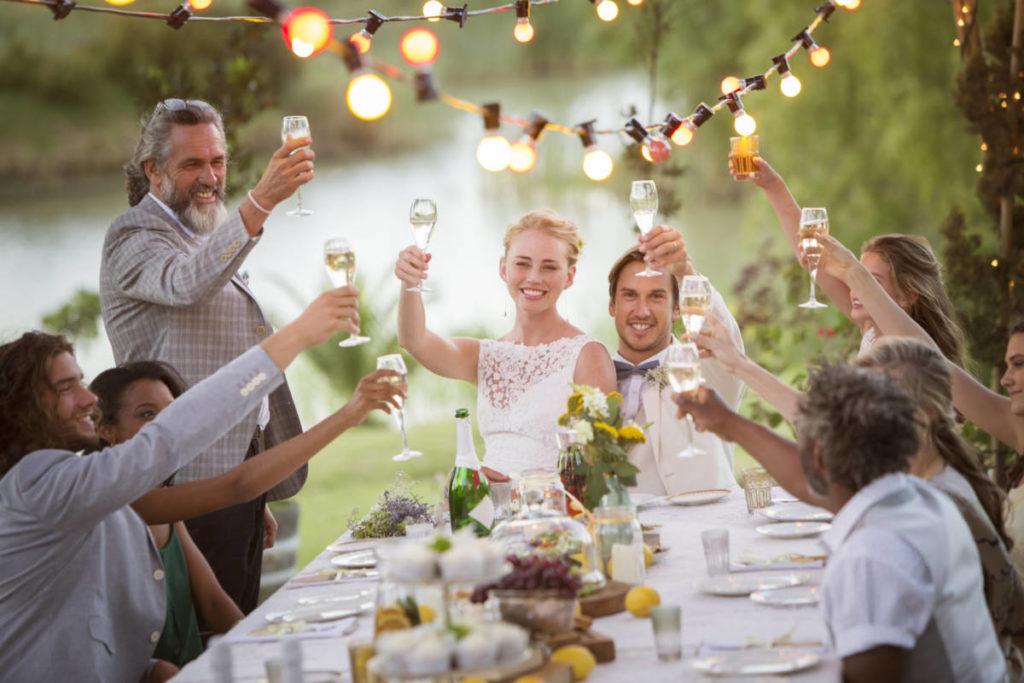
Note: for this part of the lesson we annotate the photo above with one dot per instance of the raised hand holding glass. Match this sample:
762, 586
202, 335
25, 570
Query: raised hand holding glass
340, 261
694, 302
643, 201
682, 365
394, 361
293, 127
813, 224
422, 217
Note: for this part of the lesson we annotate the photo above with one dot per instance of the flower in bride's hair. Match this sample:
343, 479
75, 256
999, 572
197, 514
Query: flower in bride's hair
607, 430
632, 434
584, 431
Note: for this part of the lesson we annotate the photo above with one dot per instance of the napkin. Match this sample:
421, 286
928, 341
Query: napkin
330, 576
298, 629
789, 561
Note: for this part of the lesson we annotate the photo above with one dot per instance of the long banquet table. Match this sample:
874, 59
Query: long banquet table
675, 574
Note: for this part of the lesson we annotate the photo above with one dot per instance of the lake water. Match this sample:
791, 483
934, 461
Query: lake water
51, 247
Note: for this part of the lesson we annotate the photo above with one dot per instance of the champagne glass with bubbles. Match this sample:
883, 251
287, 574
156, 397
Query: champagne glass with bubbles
340, 261
813, 224
394, 361
293, 127
682, 365
694, 300
422, 217
643, 200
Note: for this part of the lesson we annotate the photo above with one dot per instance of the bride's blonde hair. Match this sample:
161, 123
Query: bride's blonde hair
549, 223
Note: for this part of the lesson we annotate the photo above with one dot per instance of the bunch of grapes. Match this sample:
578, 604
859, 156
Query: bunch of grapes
531, 573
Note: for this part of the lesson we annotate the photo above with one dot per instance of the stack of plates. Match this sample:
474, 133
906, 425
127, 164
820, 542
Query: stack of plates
756, 662
796, 512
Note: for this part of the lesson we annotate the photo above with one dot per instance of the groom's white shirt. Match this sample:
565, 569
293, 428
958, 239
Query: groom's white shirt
661, 470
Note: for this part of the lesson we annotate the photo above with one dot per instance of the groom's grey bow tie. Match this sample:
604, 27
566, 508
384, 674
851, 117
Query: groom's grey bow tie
624, 370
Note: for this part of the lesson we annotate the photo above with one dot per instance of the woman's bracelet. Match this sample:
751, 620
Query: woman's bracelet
257, 204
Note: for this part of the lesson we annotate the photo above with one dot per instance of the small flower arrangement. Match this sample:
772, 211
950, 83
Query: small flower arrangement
393, 511
602, 439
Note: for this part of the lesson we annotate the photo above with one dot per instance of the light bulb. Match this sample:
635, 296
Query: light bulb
362, 41
635, 3
419, 47
523, 156
730, 84
200, 5
607, 10
307, 30
494, 153
119, 3
368, 96
790, 85
744, 123
820, 56
597, 163
683, 135
656, 149
523, 30
433, 9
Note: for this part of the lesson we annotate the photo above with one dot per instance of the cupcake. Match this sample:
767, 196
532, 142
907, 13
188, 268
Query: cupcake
511, 640
462, 563
476, 651
413, 562
431, 655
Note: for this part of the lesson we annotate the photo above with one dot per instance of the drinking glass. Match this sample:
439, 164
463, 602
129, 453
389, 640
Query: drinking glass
422, 216
394, 361
742, 151
683, 367
813, 224
643, 200
296, 127
716, 550
695, 300
340, 261
667, 624
757, 487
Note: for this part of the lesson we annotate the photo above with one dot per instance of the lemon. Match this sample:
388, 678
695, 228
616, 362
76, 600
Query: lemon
427, 614
640, 600
648, 555
578, 657
579, 609
473, 679
527, 679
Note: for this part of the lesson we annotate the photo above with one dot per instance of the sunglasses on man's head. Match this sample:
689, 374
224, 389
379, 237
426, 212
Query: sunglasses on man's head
177, 104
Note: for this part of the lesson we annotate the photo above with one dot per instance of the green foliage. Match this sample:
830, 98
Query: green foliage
78, 318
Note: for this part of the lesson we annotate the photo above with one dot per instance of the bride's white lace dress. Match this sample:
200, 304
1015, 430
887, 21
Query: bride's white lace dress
521, 391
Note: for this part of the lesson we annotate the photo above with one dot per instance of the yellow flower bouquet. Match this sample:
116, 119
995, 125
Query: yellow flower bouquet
598, 443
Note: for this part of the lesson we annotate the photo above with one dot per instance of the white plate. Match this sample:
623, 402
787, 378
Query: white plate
644, 499
360, 559
699, 497
318, 614
745, 584
351, 545
793, 529
796, 512
756, 662
787, 597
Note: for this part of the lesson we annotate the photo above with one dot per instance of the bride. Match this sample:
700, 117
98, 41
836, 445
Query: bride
523, 377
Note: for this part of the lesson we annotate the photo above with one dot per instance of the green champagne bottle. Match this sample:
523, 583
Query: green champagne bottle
469, 496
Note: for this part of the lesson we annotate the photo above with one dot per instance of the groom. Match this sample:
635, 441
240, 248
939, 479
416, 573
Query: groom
644, 309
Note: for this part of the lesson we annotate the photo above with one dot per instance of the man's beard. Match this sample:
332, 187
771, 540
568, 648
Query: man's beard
202, 221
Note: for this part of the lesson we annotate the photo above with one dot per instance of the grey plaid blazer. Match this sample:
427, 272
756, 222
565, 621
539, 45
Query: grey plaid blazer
166, 297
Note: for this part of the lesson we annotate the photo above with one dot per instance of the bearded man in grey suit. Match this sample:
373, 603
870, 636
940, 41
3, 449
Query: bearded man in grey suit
171, 290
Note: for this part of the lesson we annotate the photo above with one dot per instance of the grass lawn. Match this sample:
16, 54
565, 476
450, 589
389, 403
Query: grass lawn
354, 470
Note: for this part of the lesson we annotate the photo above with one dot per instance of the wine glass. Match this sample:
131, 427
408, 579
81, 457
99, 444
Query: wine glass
340, 261
695, 300
813, 224
422, 216
296, 127
643, 200
394, 361
682, 365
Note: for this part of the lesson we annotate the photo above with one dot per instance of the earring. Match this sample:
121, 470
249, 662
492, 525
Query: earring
506, 308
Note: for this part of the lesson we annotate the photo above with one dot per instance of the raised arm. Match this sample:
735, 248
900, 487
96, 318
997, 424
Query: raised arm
788, 212
454, 358
982, 406
258, 474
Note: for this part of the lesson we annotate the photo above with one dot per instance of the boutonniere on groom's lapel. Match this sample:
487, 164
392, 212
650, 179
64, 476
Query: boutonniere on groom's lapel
657, 376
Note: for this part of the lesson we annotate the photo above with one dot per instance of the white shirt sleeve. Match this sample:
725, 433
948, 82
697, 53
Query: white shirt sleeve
877, 591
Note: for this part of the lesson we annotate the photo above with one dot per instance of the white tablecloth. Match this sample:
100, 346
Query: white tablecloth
675, 575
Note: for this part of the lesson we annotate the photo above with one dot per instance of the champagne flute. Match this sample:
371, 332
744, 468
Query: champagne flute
340, 262
695, 300
813, 223
296, 127
394, 361
643, 200
682, 364
422, 216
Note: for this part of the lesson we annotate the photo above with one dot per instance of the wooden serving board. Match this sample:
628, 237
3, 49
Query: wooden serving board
550, 672
609, 600
601, 646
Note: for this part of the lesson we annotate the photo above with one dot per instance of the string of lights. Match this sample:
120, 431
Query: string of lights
309, 31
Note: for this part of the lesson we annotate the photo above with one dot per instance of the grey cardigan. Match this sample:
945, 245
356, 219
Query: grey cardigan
81, 582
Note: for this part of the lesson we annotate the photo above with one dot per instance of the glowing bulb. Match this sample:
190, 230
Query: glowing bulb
730, 84
200, 5
362, 41
523, 30
119, 3
790, 85
420, 47
684, 133
634, 3
494, 153
523, 156
607, 10
744, 124
307, 30
597, 163
433, 9
368, 96
848, 4
656, 149
820, 56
